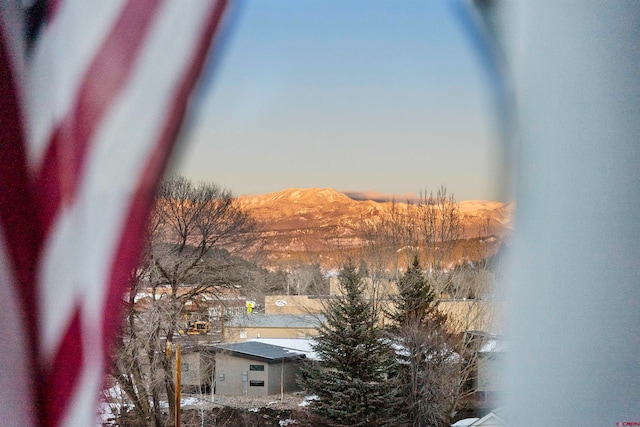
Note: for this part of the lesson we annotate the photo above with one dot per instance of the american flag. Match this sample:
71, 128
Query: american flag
92, 94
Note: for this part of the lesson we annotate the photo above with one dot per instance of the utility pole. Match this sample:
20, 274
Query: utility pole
178, 386
282, 381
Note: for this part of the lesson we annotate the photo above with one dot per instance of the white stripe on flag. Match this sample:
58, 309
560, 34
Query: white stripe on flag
83, 240
12, 31
64, 52
16, 386
105, 85
82, 409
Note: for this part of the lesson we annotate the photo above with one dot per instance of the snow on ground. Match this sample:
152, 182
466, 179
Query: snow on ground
290, 401
114, 392
112, 400
187, 401
307, 400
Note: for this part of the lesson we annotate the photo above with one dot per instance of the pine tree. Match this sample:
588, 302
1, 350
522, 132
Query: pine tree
417, 300
351, 380
426, 362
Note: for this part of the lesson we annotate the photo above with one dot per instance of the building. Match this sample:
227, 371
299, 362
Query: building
299, 345
490, 362
294, 304
383, 290
465, 422
468, 314
197, 368
255, 369
210, 306
463, 314
259, 325
494, 418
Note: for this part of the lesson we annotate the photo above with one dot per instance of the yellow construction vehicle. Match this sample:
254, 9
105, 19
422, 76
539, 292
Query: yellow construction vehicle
196, 328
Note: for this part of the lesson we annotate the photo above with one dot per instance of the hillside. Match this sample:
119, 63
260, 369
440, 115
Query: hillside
311, 225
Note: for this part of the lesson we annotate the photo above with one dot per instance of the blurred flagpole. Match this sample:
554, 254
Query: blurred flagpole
92, 96
573, 281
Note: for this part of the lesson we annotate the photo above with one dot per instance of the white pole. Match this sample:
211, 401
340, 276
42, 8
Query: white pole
572, 290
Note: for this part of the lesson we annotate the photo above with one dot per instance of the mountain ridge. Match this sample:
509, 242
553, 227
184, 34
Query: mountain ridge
307, 221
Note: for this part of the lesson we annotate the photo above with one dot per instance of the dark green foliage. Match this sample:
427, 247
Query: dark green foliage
417, 301
427, 365
351, 380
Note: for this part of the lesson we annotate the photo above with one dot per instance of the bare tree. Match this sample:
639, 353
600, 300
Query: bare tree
307, 280
192, 232
431, 231
439, 228
387, 239
473, 315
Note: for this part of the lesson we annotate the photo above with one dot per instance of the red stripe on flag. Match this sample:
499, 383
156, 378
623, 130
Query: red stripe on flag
16, 212
52, 9
65, 157
28, 212
17, 218
131, 239
59, 177
61, 381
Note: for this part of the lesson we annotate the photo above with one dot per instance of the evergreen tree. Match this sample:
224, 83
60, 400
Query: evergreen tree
426, 361
351, 380
416, 303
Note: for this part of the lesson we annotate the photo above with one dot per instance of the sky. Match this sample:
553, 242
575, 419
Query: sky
377, 96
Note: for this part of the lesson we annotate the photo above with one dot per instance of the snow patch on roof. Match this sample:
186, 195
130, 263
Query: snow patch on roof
465, 422
296, 345
494, 346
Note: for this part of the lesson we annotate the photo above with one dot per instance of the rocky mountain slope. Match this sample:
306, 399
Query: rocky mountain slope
316, 222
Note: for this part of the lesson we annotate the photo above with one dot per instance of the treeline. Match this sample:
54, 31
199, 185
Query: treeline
200, 242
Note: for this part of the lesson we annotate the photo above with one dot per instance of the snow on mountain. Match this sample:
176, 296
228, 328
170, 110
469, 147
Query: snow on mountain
317, 220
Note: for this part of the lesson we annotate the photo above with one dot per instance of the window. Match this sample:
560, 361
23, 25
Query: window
254, 383
256, 367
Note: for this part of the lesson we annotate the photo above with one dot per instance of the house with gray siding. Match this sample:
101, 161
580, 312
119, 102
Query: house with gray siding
255, 369
197, 368
260, 325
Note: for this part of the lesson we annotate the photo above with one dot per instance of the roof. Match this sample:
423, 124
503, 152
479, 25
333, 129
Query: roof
300, 345
465, 422
494, 346
493, 418
260, 320
260, 351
